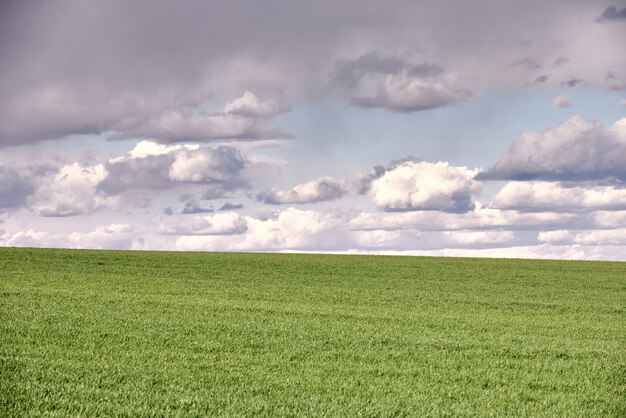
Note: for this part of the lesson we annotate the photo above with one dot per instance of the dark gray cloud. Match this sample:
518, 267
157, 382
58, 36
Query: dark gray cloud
230, 206
542, 79
395, 83
320, 190
612, 14
559, 62
576, 150
612, 83
150, 172
572, 82
526, 63
15, 187
110, 68
220, 191
193, 207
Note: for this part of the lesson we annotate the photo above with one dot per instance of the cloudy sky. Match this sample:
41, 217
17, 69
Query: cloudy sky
480, 128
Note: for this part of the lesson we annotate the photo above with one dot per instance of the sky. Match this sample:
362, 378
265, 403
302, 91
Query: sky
483, 128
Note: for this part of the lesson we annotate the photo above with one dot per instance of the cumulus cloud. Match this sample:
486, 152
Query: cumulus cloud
71, 191
397, 84
561, 101
206, 165
425, 186
577, 149
156, 167
612, 14
554, 197
320, 190
77, 188
245, 118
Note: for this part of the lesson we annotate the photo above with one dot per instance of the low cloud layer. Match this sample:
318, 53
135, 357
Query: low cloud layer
113, 236
222, 223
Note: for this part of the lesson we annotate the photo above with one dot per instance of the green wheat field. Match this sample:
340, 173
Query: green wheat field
121, 333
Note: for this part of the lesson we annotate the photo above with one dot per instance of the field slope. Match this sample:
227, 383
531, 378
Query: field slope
194, 334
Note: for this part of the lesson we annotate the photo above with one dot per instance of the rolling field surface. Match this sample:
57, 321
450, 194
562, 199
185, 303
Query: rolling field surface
116, 333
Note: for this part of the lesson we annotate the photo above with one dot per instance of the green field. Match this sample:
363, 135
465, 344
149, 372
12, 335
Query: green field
193, 334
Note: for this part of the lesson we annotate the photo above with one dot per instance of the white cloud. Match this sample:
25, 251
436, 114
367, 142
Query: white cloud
586, 237
320, 190
119, 236
480, 218
249, 105
554, 197
146, 148
541, 251
290, 229
219, 164
425, 240
609, 219
425, 186
294, 229
577, 149
71, 191
561, 101
114, 236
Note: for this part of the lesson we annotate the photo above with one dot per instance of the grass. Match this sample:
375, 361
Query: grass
195, 334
